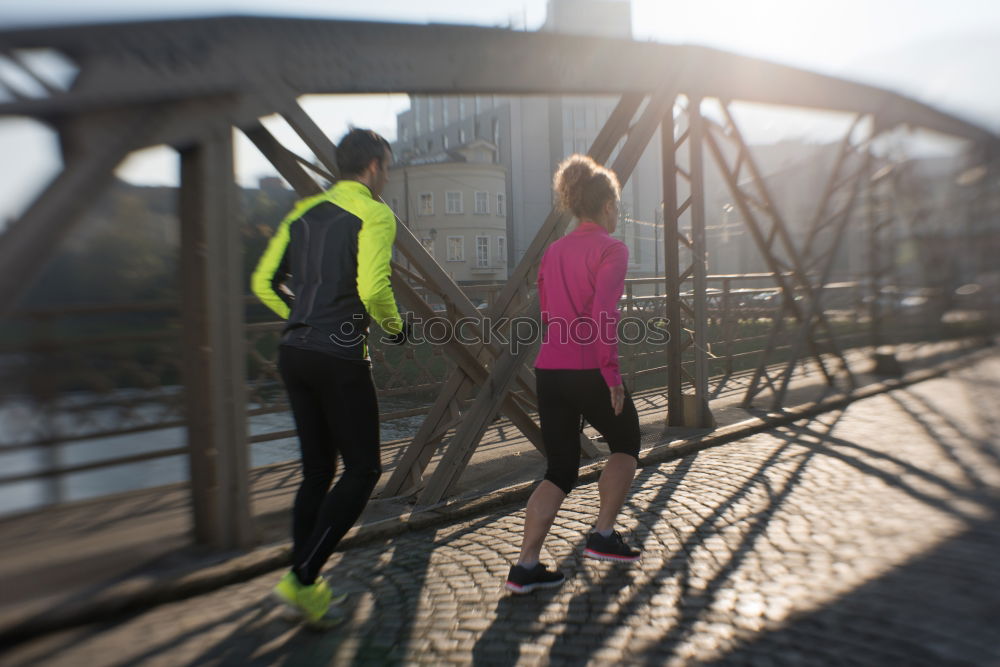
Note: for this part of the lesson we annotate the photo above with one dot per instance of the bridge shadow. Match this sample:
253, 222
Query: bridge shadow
526, 617
920, 613
384, 582
381, 627
597, 613
943, 428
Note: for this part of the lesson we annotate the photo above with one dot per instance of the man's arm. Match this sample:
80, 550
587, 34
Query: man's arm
272, 270
378, 233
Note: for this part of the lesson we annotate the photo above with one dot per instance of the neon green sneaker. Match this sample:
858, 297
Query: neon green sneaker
311, 602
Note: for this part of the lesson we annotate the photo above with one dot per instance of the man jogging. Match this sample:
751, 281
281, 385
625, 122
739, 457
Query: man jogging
326, 271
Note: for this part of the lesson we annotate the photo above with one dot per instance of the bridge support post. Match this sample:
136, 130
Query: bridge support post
214, 363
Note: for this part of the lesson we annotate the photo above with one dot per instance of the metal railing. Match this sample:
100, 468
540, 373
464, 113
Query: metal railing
120, 380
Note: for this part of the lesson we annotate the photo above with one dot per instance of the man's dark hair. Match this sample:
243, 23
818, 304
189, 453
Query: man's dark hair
357, 149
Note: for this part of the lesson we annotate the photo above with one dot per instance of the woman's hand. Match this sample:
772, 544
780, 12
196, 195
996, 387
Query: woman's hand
617, 398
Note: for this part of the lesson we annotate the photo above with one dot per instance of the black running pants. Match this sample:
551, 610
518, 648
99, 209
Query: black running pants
564, 395
336, 413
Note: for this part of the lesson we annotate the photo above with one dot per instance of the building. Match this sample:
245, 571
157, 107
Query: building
455, 202
531, 135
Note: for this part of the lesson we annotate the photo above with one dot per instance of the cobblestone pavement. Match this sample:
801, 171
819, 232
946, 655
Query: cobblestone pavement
869, 536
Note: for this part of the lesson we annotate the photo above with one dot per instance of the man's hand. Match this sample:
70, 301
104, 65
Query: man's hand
617, 398
404, 335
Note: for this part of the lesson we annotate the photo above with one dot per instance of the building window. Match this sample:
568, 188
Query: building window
430, 115
456, 248
453, 202
483, 251
426, 204
496, 133
444, 141
428, 245
502, 248
461, 135
444, 112
404, 135
417, 116
482, 203
430, 145
461, 108
501, 204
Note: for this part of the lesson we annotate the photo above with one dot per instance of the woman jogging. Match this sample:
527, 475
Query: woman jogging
580, 281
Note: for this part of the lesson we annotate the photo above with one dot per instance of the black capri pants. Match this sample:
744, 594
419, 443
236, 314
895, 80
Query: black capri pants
564, 396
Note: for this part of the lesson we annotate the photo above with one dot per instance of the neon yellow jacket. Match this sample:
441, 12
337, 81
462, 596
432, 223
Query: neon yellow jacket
332, 251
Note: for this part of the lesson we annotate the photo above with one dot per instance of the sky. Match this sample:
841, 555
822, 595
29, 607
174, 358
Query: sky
942, 53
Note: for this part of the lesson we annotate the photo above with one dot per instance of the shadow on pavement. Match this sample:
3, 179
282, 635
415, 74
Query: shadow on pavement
521, 619
936, 423
918, 614
596, 614
384, 596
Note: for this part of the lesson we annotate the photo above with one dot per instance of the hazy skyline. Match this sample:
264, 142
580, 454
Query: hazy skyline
940, 53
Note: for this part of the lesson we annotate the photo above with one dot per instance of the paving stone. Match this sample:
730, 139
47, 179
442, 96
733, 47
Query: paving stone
862, 537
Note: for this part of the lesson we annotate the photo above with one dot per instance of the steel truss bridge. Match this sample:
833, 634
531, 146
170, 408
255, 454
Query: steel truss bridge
186, 84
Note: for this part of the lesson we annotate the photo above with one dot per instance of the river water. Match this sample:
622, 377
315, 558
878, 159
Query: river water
20, 422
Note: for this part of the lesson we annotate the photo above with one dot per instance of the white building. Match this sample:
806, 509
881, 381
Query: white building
455, 202
533, 134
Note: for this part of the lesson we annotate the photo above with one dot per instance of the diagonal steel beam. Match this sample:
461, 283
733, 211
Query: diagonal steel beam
779, 231
29, 242
756, 232
477, 418
843, 151
492, 393
458, 388
815, 303
820, 222
435, 278
616, 127
469, 366
415, 459
283, 160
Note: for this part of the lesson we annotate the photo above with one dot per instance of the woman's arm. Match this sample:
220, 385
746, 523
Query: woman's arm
609, 284
542, 305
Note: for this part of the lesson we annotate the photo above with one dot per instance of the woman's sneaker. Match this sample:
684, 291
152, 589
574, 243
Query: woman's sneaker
525, 580
612, 547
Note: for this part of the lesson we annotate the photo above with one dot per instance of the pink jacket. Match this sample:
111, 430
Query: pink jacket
580, 281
